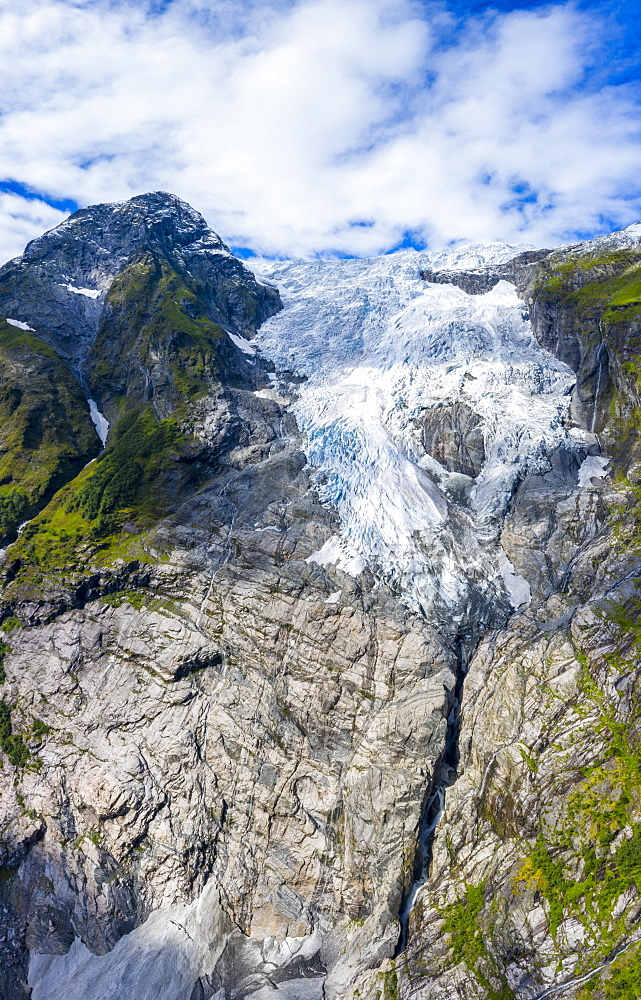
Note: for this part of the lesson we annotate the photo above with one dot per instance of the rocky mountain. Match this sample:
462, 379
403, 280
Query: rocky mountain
320, 669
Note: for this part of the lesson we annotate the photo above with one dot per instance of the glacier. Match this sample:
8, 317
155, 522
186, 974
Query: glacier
378, 348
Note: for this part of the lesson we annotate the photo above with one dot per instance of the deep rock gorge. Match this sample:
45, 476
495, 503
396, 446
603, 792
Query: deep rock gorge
321, 677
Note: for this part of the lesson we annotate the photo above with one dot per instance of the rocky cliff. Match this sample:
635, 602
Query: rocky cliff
320, 676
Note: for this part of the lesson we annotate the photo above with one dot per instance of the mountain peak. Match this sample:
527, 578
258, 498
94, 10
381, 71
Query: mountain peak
59, 284
157, 221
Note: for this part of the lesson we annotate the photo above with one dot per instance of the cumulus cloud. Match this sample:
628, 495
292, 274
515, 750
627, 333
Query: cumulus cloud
320, 126
21, 219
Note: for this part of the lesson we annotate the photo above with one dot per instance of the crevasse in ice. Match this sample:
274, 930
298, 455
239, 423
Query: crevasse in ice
379, 347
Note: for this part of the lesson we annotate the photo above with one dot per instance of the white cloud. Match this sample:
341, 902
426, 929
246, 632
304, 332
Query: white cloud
287, 124
21, 220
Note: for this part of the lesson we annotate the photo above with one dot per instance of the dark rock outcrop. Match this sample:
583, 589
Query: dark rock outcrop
452, 433
479, 280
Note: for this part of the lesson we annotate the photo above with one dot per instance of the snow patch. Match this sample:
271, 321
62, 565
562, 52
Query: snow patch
271, 394
328, 554
244, 345
335, 552
517, 586
159, 960
100, 422
20, 325
333, 598
90, 293
593, 467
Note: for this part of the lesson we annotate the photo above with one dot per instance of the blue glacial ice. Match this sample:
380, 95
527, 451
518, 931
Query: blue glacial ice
379, 346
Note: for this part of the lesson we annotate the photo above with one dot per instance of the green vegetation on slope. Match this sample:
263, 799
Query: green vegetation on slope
586, 860
156, 352
46, 433
467, 938
596, 299
128, 474
130, 486
11, 744
157, 345
620, 981
604, 286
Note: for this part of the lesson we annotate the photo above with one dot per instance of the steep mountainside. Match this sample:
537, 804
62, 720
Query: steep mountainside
321, 675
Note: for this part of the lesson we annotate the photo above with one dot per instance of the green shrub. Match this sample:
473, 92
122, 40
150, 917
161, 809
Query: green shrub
14, 506
8, 625
12, 745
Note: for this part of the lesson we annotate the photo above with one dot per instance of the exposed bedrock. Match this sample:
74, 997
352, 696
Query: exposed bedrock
232, 750
224, 725
452, 433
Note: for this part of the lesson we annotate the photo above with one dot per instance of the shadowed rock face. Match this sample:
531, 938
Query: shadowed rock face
219, 744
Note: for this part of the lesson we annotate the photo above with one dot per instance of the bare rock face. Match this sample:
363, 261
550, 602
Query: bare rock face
229, 765
223, 725
453, 435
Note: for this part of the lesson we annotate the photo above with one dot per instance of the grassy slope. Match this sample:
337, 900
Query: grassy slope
46, 433
156, 344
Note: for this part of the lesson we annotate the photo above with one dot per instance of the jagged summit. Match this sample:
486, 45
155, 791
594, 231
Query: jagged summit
157, 220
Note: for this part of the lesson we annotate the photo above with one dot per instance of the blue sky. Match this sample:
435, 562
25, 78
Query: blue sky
348, 127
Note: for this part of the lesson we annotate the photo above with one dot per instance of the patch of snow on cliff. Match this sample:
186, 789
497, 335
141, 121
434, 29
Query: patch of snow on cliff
90, 293
380, 349
244, 345
20, 325
338, 552
159, 960
100, 422
169, 956
593, 467
517, 586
